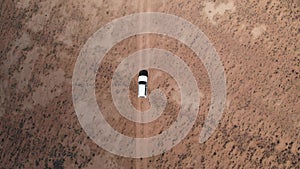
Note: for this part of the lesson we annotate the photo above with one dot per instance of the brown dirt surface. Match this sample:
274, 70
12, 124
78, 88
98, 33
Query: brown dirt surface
257, 41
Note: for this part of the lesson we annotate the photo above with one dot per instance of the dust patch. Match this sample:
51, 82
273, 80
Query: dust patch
27, 67
115, 5
257, 31
22, 4
105, 161
2, 97
2, 111
228, 102
51, 88
90, 10
24, 41
211, 9
19, 44
39, 20
70, 31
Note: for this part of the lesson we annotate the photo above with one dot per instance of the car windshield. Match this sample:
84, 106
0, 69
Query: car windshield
143, 73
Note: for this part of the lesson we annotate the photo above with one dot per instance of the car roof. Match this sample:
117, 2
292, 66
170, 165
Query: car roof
142, 90
143, 73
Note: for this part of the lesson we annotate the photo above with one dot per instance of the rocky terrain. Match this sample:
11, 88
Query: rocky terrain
257, 41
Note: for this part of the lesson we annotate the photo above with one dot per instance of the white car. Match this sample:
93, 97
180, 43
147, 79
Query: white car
142, 82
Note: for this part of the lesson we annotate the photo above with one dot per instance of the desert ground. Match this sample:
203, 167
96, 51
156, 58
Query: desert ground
258, 44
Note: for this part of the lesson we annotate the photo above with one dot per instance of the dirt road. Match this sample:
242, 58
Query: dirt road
258, 44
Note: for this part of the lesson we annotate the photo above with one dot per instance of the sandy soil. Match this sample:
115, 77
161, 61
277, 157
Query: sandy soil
258, 42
